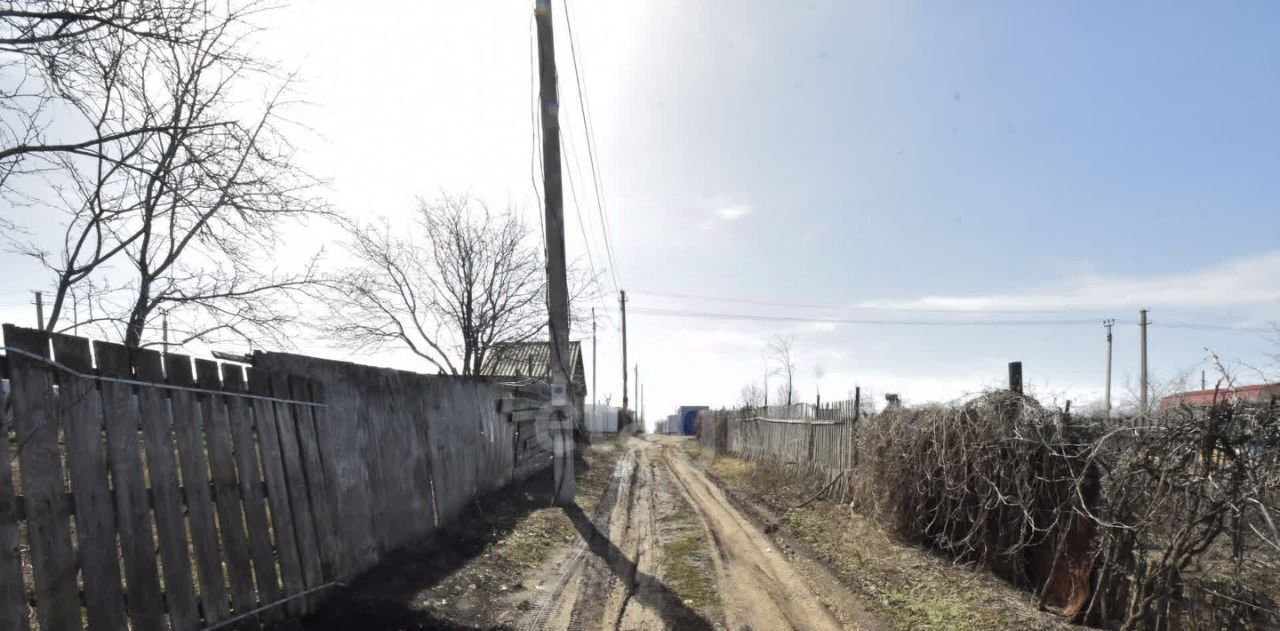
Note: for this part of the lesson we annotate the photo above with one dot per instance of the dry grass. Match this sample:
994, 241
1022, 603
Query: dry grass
909, 585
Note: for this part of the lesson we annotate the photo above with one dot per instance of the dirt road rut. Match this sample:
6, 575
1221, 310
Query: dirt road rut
614, 577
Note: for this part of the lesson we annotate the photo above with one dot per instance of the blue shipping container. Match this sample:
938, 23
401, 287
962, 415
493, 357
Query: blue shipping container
687, 414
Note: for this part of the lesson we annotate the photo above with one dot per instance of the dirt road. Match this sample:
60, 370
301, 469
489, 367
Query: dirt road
665, 549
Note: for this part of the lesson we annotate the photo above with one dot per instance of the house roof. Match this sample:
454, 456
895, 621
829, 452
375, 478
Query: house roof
530, 359
1261, 392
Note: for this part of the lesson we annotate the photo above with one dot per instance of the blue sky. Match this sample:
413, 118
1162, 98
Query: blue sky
1085, 158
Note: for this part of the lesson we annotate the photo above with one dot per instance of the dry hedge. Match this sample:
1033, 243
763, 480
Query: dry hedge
1165, 524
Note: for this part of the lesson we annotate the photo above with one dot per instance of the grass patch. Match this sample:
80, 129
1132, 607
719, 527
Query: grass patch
684, 570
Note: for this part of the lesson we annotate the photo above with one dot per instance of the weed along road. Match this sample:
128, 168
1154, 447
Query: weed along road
666, 549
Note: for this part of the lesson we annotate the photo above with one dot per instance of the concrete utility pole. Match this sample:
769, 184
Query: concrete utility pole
622, 300
557, 283
1106, 397
1142, 327
40, 310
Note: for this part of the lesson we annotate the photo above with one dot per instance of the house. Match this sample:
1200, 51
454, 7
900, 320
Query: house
1260, 393
514, 361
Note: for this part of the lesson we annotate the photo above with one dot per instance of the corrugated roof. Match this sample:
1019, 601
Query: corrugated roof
530, 359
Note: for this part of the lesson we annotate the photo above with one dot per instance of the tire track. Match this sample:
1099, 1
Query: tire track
758, 587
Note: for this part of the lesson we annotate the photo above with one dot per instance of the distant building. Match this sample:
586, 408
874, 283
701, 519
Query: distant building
1260, 393
516, 361
601, 418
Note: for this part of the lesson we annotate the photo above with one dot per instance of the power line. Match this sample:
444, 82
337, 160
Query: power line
589, 132
582, 226
706, 315
768, 303
864, 321
1199, 326
535, 157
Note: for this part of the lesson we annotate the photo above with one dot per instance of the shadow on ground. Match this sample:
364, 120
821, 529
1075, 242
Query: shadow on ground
648, 590
383, 598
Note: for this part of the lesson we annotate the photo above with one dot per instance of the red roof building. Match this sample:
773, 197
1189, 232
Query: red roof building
1260, 393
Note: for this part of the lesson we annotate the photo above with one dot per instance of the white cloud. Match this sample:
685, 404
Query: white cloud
732, 212
1245, 282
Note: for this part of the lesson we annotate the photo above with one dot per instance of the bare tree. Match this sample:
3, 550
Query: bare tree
751, 397
180, 189
779, 355
464, 280
56, 55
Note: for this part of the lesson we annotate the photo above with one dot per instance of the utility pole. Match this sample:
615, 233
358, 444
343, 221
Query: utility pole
622, 300
766, 389
164, 328
637, 387
1106, 397
595, 400
1142, 327
640, 404
40, 310
557, 284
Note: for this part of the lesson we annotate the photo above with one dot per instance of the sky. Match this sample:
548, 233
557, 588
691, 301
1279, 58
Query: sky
899, 186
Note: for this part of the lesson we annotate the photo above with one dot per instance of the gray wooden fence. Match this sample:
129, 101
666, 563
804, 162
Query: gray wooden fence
820, 443
148, 491
411, 450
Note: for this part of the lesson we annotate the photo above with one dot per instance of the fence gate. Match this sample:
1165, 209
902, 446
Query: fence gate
147, 491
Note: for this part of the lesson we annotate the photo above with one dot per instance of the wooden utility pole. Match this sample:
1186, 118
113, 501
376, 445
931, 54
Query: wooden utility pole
557, 283
595, 401
766, 389
40, 310
637, 387
1106, 397
1142, 327
1015, 377
622, 300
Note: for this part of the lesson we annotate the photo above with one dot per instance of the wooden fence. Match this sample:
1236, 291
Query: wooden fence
410, 451
148, 491
819, 443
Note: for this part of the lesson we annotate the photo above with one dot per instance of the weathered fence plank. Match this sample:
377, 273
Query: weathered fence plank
39, 457
162, 467
226, 489
189, 429
250, 478
80, 412
277, 490
318, 483
13, 605
299, 501
133, 511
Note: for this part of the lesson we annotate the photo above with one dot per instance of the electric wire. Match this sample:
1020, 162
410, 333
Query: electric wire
589, 133
684, 313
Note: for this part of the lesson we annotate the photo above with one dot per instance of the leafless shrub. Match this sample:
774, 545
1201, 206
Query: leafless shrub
1172, 524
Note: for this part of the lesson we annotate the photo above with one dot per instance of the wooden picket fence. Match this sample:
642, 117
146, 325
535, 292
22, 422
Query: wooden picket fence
140, 493
155, 492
